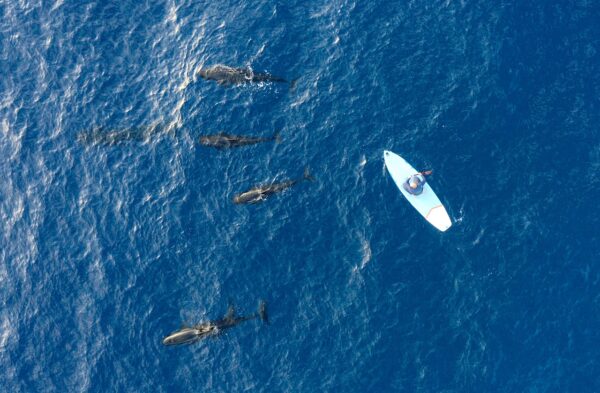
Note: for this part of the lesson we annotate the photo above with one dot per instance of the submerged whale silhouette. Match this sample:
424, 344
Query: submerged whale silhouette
223, 140
115, 136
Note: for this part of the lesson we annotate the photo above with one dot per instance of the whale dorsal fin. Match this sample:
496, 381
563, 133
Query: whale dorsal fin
230, 312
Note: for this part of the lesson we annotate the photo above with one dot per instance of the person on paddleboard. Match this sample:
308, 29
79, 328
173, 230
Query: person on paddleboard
414, 184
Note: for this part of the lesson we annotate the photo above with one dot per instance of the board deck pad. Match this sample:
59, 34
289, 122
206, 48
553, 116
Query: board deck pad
427, 203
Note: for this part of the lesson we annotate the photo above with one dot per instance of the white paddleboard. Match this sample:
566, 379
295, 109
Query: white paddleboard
427, 203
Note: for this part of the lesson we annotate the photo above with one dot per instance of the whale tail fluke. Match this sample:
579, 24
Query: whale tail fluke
262, 312
293, 84
307, 175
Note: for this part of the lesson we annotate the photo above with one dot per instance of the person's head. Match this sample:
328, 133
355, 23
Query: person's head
413, 183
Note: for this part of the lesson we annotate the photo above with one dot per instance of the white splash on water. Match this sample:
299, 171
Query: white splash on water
363, 162
366, 252
5, 331
478, 238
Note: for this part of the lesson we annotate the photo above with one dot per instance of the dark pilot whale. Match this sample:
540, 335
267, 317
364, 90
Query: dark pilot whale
188, 335
223, 140
225, 75
262, 192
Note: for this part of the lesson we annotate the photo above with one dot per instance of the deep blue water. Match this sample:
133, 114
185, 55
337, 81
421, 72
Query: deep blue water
104, 250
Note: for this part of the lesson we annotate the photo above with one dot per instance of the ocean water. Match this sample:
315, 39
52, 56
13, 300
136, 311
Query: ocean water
105, 249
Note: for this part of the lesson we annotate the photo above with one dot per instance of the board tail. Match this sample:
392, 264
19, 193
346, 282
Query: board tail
262, 312
293, 84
